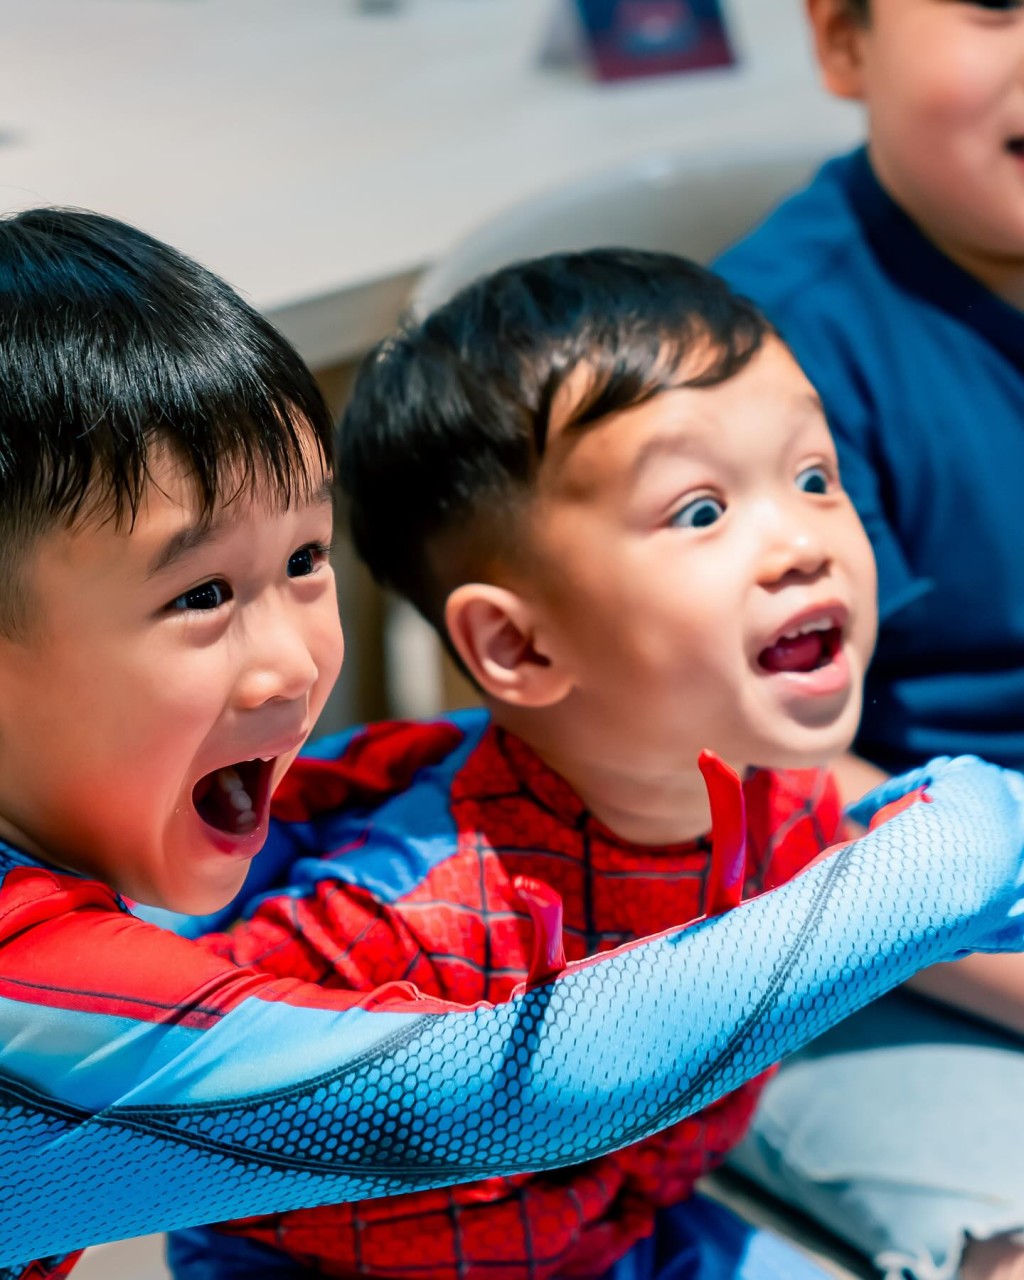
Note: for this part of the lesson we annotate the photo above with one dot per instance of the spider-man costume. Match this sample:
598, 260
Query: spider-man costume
147, 1083
455, 919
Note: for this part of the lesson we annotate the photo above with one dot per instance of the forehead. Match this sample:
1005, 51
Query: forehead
770, 392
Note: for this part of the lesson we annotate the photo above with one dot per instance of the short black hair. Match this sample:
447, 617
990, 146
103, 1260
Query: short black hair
448, 420
111, 341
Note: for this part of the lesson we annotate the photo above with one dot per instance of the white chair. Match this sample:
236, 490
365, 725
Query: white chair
692, 205
695, 206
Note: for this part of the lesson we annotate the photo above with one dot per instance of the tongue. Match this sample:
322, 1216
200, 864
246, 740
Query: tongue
798, 653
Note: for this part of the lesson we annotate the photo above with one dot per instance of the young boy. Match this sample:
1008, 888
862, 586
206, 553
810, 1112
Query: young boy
608, 485
168, 634
897, 277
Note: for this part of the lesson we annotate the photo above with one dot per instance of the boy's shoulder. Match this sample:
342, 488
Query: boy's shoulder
373, 807
32, 893
809, 250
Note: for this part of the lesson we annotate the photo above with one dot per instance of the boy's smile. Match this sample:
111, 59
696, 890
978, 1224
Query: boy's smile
703, 577
170, 676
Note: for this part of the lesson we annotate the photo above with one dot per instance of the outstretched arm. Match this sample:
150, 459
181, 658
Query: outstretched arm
989, 987
187, 1089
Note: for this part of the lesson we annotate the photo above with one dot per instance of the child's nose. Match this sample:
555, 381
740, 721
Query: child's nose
278, 667
795, 547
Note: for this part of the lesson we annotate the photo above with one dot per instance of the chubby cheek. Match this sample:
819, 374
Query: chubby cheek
640, 635
910, 111
864, 638
865, 600
328, 653
965, 94
281, 767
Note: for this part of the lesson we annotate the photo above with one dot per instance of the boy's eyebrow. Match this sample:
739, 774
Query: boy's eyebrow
180, 544
192, 536
656, 446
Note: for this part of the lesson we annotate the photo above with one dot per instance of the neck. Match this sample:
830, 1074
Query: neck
1002, 274
643, 799
1003, 277
10, 834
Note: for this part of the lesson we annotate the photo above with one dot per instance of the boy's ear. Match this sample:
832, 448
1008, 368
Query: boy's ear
839, 36
496, 635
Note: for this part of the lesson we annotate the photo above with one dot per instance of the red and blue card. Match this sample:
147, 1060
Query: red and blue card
654, 37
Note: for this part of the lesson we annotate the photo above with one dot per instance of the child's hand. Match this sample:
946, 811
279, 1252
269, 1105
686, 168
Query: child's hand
946, 780
863, 811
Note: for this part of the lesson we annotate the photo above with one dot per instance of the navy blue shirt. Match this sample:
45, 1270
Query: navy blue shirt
920, 370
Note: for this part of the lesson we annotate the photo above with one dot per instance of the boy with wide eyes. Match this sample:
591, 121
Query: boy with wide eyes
897, 277
168, 635
607, 483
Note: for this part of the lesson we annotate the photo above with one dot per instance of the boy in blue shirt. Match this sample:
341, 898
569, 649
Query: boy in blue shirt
897, 277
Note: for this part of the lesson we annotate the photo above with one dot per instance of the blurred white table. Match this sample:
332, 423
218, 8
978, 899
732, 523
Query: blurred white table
319, 157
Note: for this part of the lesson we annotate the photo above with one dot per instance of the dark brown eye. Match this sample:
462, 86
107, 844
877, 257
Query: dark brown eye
208, 595
307, 560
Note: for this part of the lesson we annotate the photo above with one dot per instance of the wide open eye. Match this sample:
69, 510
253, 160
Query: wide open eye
699, 513
813, 480
208, 595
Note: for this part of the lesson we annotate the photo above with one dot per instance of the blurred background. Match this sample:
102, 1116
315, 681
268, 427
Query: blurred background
340, 160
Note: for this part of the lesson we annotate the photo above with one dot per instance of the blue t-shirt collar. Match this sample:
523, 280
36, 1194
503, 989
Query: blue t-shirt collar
917, 266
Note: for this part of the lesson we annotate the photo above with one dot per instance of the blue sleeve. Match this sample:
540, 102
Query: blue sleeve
249, 1096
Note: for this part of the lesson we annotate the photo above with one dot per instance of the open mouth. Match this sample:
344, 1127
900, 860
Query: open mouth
232, 798
807, 648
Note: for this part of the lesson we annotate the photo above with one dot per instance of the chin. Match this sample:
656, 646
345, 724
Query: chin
810, 751
196, 896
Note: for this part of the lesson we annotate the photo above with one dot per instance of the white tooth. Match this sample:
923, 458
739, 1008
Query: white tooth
229, 780
809, 629
245, 821
240, 800
267, 759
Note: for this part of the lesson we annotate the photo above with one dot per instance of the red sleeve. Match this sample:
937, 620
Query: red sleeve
66, 944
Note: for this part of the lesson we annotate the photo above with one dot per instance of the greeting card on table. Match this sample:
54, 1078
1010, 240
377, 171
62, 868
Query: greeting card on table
653, 37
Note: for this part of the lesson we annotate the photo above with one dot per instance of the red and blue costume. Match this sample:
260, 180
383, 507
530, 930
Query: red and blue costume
443, 886
148, 1083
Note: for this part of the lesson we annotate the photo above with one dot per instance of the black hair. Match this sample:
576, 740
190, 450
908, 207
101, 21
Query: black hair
111, 341
448, 420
